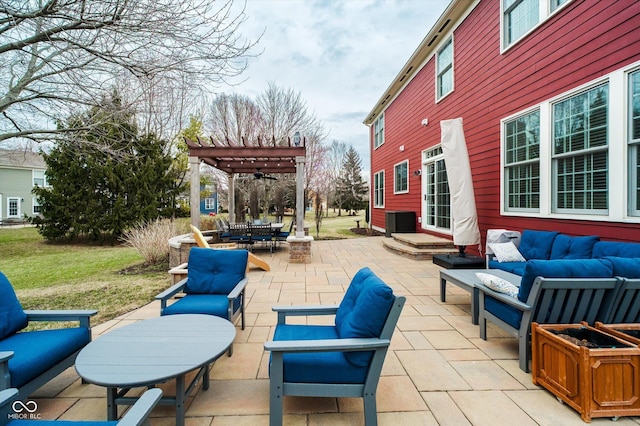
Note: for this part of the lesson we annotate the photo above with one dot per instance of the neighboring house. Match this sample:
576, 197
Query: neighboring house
549, 93
20, 171
208, 200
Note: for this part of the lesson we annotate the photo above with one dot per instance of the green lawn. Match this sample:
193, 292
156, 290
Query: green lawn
49, 275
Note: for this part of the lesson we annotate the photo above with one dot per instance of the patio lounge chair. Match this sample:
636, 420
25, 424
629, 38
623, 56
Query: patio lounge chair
29, 359
341, 360
136, 416
215, 285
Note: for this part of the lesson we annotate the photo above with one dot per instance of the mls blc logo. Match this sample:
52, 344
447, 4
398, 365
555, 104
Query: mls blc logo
24, 410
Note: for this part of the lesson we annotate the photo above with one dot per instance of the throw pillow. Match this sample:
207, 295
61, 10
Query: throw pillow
506, 252
497, 284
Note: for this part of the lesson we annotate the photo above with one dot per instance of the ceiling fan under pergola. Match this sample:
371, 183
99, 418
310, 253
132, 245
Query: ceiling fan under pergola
259, 175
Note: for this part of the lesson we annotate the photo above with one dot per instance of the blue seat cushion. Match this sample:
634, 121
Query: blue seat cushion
316, 367
628, 267
207, 304
536, 244
506, 313
37, 351
562, 268
566, 247
215, 271
12, 316
513, 267
366, 317
615, 248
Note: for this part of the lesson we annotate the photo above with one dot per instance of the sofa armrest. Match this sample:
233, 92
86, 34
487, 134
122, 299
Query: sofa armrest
501, 297
285, 311
239, 288
81, 315
327, 345
139, 413
5, 377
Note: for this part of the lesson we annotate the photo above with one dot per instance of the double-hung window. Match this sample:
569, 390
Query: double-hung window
519, 17
580, 152
401, 178
378, 131
634, 143
522, 162
378, 189
39, 178
445, 69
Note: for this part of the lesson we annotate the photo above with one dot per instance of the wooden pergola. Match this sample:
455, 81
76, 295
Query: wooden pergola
265, 157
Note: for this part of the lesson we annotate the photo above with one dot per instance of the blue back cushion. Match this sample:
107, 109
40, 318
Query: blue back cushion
615, 248
536, 244
349, 299
215, 271
366, 316
12, 317
628, 267
566, 247
562, 268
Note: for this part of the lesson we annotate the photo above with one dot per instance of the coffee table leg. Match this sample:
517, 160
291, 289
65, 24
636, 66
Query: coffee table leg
475, 297
443, 290
205, 377
112, 408
180, 400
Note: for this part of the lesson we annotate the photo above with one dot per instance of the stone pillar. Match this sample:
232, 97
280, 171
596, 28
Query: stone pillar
194, 169
299, 249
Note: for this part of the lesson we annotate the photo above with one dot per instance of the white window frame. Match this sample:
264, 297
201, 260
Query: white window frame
17, 201
378, 192
34, 204
209, 203
529, 161
406, 177
442, 69
432, 157
35, 175
633, 149
545, 11
378, 131
619, 178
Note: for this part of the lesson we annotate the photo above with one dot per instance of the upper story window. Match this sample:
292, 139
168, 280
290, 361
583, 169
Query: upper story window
378, 189
522, 162
39, 178
378, 131
445, 69
519, 17
401, 178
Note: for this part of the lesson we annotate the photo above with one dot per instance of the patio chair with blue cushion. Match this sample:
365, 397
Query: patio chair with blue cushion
625, 308
29, 359
341, 360
215, 285
19, 414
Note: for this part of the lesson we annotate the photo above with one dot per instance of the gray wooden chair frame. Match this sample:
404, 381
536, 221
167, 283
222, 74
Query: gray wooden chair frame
551, 301
366, 390
625, 308
137, 415
81, 316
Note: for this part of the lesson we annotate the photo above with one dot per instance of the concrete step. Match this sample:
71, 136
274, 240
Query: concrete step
424, 241
416, 252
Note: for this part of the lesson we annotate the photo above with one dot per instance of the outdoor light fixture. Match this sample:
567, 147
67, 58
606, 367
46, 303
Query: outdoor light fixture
296, 139
417, 172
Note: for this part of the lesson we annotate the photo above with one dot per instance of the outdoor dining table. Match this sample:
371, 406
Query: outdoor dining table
154, 351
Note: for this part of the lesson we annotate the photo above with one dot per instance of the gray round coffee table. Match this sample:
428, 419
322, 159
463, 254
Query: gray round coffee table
154, 351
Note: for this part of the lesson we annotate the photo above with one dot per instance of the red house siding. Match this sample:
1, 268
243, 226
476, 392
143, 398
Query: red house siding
582, 42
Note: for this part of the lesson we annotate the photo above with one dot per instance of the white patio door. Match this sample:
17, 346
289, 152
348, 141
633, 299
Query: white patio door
436, 201
13, 207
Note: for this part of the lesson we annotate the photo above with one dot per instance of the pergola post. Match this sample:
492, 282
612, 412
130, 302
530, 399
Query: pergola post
232, 197
194, 169
300, 204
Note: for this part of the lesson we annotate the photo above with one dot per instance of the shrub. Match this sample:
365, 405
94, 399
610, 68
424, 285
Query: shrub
151, 239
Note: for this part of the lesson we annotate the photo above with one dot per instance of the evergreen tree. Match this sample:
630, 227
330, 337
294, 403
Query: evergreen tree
352, 189
107, 178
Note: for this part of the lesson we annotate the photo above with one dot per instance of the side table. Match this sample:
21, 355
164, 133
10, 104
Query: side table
453, 261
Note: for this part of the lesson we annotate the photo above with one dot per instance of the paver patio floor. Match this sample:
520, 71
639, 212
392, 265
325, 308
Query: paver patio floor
438, 371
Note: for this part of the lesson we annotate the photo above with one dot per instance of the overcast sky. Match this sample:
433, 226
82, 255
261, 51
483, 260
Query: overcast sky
340, 55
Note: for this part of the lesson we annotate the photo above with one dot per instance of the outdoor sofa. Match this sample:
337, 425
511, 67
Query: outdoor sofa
29, 359
563, 280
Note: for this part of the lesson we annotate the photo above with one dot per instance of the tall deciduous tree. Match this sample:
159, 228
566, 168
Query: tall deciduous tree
102, 192
351, 186
60, 56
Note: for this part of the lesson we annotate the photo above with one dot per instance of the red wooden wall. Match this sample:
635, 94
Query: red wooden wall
585, 40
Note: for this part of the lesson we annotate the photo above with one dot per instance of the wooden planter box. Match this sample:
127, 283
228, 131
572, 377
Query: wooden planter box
597, 382
628, 332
